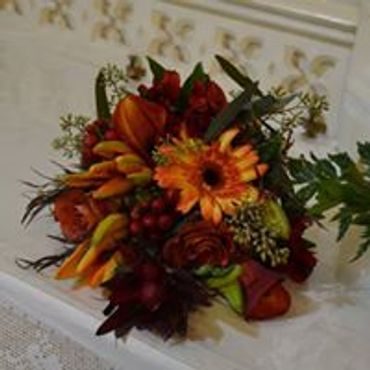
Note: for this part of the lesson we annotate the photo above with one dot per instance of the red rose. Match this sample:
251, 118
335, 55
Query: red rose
199, 243
205, 102
164, 91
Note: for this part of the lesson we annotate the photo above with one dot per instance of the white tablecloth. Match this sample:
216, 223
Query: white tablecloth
327, 327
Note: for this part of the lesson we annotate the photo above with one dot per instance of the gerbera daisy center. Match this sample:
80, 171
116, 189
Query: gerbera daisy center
212, 175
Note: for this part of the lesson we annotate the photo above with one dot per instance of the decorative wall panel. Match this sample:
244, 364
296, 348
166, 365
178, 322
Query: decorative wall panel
275, 50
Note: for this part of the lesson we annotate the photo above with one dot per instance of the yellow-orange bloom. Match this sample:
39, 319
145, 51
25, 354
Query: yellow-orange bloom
217, 176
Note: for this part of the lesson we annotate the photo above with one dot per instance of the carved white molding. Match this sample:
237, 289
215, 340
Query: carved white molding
278, 42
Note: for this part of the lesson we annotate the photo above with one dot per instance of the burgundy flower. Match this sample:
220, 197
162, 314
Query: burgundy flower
150, 298
164, 91
301, 260
266, 296
199, 243
206, 100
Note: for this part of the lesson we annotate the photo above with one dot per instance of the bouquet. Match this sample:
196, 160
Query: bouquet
182, 196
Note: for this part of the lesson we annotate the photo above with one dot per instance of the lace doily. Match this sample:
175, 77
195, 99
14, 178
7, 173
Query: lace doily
27, 344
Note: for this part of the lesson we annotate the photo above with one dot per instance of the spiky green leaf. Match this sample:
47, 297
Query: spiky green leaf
242, 80
197, 74
102, 104
227, 116
156, 68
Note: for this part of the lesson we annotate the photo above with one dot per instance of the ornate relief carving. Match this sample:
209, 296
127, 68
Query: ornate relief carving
112, 17
172, 37
12, 5
184, 36
58, 13
242, 51
308, 74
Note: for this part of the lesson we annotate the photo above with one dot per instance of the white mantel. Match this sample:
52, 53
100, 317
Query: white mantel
47, 67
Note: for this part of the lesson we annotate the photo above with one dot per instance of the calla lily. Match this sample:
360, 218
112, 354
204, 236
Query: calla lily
139, 122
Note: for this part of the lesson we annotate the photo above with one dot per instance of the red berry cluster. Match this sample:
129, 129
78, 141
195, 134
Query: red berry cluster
154, 217
94, 133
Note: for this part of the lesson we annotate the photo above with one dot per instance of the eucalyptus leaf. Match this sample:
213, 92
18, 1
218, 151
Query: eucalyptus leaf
197, 74
102, 105
242, 80
263, 106
270, 150
156, 68
283, 102
227, 116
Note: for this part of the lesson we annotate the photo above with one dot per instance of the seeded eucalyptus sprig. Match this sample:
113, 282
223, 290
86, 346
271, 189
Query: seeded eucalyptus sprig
306, 110
337, 182
116, 82
69, 142
253, 237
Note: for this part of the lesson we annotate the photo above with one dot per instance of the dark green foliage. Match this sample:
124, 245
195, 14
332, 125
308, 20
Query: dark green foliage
197, 74
156, 69
336, 181
242, 80
102, 104
227, 116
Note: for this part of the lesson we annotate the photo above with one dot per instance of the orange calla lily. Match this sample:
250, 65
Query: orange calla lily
138, 122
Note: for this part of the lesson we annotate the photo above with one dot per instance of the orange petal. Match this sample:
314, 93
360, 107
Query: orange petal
92, 255
206, 208
262, 169
69, 266
170, 176
188, 198
226, 138
250, 160
138, 121
116, 186
105, 168
217, 214
242, 151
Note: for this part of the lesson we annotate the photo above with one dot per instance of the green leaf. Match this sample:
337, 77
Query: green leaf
102, 105
270, 150
362, 219
156, 68
197, 74
283, 102
355, 196
364, 246
364, 152
306, 193
329, 195
242, 80
344, 217
325, 169
227, 116
342, 160
301, 170
263, 106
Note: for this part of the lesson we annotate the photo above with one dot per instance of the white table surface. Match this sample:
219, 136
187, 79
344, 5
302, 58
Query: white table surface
327, 327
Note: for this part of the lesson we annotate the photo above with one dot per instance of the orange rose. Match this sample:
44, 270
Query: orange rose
139, 122
77, 213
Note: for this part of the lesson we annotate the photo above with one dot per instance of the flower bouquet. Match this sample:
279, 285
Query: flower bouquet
182, 197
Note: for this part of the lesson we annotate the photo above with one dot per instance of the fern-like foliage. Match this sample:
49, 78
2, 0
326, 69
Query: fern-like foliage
337, 182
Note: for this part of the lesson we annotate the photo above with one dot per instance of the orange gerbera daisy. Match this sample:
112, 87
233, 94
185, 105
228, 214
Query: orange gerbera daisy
217, 176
